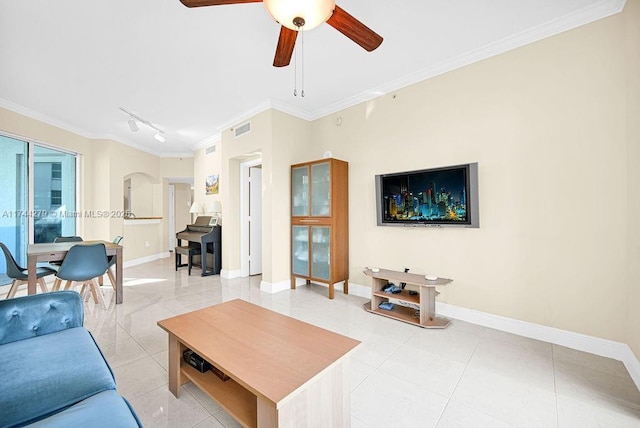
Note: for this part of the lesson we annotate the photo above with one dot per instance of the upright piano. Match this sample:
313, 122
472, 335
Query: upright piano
209, 238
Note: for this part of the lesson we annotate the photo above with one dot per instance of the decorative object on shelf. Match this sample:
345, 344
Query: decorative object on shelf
320, 223
403, 284
431, 277
410, 306
387, 306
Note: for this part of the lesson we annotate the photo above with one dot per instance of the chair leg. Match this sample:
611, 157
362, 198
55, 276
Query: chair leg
101, 280
14, 288
84, 294
97, 293
43, 285
112, 278
92, 289
68, 285
56, 284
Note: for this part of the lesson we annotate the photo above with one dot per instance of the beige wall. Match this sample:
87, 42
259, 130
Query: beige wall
291, 145
546, 123
103, 166
204, 166
233, 152
279, 140
632, 28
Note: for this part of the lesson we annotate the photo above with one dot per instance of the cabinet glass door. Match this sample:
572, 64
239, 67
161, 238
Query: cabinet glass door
320, 189
321, 252
300, 250
300, 191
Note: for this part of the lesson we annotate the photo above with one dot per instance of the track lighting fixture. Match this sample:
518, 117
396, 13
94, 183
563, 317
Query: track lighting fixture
133, 121
159, 136
133, 125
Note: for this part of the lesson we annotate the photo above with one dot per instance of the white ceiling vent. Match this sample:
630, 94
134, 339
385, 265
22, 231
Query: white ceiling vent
242, 129
210, 149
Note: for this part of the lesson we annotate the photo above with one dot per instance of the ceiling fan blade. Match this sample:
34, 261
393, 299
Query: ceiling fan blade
354, 29
198, 3
286, 43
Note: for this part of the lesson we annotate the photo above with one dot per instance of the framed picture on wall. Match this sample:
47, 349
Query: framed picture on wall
212, 185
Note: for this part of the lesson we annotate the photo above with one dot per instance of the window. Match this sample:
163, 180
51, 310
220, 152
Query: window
56, 198
56, 171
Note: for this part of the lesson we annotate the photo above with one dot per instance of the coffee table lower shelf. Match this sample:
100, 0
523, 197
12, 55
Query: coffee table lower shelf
233, 397
408, 315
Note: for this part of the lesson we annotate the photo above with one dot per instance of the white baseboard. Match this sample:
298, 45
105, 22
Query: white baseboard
275, 287
146, 259
581, 342
230, 274
360, 290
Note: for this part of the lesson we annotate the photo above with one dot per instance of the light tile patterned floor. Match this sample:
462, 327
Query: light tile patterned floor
402, 375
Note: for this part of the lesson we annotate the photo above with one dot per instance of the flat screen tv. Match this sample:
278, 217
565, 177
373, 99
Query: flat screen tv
446, 196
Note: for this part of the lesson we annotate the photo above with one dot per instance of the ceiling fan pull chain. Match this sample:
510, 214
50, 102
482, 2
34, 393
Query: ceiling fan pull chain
295, 71
302, 63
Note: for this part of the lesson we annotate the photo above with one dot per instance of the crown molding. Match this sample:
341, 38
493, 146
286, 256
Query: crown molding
32, 114
24, 111
213, 139
570, 21
584, 16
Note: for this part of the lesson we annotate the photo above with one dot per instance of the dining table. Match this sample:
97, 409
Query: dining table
52, 252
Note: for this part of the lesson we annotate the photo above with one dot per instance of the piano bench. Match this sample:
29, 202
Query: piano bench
189, 252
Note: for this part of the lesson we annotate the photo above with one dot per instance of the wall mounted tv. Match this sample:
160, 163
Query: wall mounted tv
446, 196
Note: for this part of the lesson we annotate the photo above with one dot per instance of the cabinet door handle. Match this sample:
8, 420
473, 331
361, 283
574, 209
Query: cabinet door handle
309, 220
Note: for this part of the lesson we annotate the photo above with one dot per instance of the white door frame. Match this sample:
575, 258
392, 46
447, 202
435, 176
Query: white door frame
172, 217
244, 214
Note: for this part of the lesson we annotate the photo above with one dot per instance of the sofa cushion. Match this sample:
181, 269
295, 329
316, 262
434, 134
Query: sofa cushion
106, 409
36, 315
45, 374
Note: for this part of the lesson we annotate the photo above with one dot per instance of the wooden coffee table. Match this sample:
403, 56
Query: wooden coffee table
283, 372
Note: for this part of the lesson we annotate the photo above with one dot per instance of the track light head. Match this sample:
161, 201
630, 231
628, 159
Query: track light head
133, 125
160, 137
135, 120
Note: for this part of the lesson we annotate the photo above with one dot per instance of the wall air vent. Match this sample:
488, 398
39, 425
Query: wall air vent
242, 129
210, 149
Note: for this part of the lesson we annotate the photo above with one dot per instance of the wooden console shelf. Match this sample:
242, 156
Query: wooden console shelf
425, 299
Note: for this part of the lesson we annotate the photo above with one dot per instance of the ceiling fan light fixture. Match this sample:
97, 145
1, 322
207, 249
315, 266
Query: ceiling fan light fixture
160, 137
312, 12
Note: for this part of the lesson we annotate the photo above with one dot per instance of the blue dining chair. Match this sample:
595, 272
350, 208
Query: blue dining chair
112, 262
56, 265
83, 264
20, 275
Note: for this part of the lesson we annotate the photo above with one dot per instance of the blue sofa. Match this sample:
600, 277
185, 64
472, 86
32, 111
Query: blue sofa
52, 373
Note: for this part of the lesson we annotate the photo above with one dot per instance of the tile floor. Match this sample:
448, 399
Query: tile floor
402, 375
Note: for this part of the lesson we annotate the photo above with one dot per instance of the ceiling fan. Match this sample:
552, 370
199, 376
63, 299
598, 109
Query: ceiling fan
297, 15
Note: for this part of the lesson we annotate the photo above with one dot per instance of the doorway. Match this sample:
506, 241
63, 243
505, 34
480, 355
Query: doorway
251, 217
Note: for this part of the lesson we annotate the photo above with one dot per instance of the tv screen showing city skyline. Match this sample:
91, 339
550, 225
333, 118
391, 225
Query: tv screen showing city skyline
428, 196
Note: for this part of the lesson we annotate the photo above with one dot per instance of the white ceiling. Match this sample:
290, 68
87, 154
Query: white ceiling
195, 72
